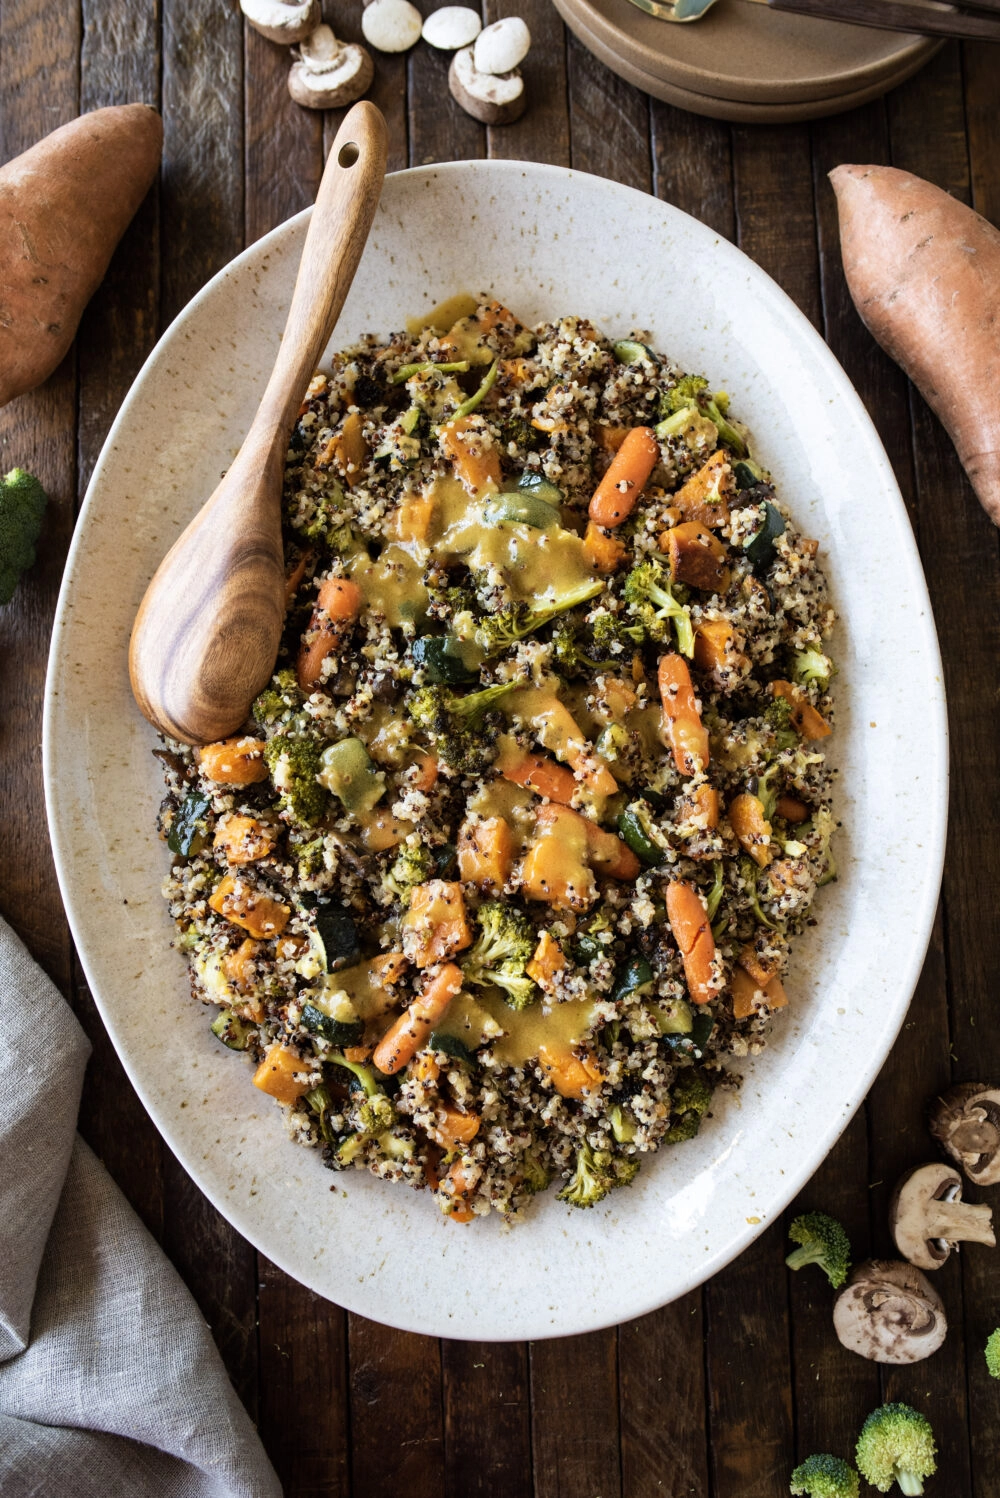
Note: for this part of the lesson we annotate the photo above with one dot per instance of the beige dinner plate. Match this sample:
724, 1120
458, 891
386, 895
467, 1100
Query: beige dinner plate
742, 51
713, 106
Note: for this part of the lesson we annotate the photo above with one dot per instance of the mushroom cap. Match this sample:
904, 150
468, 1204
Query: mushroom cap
910, 1208
329, 73
391, 25
889, 1312
451, 27
285, 21
502, 47
495, 100
965, 1120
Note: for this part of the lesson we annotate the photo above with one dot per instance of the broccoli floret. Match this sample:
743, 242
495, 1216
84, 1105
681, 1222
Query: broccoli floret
597, 1172
614, 635
22, 505
896, 1444
691, 392
321, 1103
569, 653
748, 873
414, 865
534, 1175
690, 1097
376, 1114
812, 665
825, 1476
823, 1242
993, 1353
778, 716
294, 760
461, 727
280, 699
505, 946
651, 600
766, 789
497, 632
714, 897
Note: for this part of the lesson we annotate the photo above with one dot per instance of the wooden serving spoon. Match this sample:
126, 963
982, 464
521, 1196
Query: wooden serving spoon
207, 632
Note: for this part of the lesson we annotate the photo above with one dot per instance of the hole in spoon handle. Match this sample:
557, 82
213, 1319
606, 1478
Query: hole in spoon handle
348, 154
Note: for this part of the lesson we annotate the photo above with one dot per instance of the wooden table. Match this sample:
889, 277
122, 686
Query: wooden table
721, 1392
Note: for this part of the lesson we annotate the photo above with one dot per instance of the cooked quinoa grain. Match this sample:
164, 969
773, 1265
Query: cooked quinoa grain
509, 858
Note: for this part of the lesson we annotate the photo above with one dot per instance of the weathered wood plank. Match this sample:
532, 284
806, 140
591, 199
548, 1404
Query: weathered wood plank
304, 1387
397, 1442
438, 129
487, 1423
774, 208
661, 1363
39, 47
609, 122
202, 193
574, 1417
693, 166
981, 72
542, 132
283, 141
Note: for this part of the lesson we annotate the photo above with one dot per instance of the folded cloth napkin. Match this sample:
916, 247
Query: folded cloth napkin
109, 1380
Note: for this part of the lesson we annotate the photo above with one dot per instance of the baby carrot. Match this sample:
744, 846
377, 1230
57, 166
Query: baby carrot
338, 604
403, 1039
693, 934
687, 734
615, 496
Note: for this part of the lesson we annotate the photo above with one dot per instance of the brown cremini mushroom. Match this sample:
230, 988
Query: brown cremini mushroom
889, 1312
284, 21
495, 99
927, 1216
965, 1121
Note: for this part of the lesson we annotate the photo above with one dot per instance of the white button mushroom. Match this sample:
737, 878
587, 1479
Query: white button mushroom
284, 21
329, 73
890, 1313
502, 47
451, 27
927, 1216
495, 100
965, 1121
391, 25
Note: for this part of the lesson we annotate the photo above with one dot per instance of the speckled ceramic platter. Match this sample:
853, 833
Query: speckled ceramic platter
743, 61
570, 243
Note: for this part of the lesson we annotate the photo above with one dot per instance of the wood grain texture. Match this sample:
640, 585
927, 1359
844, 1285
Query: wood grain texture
721, 1393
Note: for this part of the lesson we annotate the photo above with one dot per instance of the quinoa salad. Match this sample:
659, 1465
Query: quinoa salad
507, 862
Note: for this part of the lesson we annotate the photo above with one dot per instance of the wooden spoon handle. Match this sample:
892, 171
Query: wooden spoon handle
345, 206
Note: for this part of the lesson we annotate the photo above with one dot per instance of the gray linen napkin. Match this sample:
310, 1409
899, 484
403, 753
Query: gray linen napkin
109, 1380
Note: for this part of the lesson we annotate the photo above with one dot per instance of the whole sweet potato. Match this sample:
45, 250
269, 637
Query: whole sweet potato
924, 272
64, 205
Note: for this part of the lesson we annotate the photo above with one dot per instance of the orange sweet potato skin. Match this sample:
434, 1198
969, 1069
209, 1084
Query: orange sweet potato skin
924, 272
64, 205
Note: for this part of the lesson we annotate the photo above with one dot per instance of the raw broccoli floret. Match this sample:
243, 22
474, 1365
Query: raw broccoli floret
812, 665
691, 393
690, 1097
993, 1353
596, 1173
825, 1476
496, 632
22, 505
615, 635
460, 726
651, 600
896, 1444
505, 946
294, 760
822, 1241
414, 865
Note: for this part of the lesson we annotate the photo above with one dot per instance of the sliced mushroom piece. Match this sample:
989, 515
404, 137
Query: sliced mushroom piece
502, 47
286, 21
493, 99
451, 27
965, 1121
391, 25
329, 73
927, 1216
889, 1312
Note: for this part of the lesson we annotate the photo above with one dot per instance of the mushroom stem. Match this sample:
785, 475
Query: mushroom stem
975, 1136
961, 1222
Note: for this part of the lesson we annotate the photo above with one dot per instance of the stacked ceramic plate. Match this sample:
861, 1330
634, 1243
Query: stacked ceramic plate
745, 62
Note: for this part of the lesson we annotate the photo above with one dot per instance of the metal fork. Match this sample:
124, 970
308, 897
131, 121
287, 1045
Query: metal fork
921, 16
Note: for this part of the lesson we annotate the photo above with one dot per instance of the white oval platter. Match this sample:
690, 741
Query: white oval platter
548, 241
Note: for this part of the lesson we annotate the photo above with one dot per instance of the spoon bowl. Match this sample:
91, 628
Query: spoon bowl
207, 632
